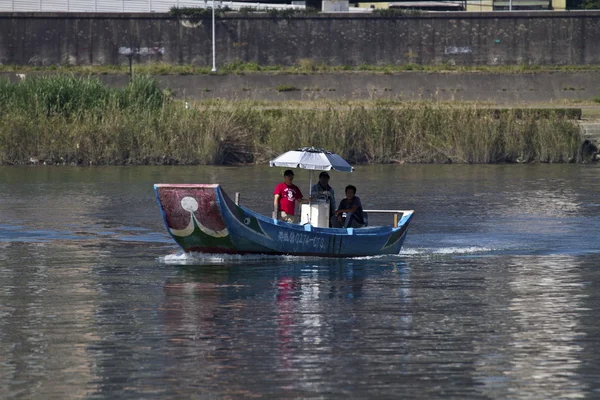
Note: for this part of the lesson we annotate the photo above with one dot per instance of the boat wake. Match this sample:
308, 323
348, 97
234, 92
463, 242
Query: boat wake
197, 258
470, 250
194, 258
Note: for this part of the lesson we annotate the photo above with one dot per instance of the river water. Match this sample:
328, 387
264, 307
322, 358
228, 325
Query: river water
496, 293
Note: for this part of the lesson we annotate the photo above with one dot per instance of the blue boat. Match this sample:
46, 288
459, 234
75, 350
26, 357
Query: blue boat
202, 218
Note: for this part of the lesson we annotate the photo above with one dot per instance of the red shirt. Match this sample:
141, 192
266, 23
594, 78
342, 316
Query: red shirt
287, 197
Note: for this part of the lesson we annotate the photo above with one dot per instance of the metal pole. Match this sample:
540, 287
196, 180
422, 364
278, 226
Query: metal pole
130, 68
309, 202
214, 68
510, 5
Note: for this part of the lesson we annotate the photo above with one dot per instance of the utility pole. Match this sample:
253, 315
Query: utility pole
214, 44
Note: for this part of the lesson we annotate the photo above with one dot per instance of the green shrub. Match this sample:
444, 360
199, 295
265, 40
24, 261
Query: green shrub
196, 14
247, 10
396, 12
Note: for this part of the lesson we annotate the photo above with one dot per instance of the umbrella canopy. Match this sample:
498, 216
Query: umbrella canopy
311, 158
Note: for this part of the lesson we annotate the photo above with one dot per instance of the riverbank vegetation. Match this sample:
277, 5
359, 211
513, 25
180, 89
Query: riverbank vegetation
66, 120
305, 66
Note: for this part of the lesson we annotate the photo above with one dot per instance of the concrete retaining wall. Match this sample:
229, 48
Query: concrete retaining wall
499, 88
496, 88
493, 38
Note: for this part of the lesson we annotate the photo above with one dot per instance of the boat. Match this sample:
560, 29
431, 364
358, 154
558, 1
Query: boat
203, 218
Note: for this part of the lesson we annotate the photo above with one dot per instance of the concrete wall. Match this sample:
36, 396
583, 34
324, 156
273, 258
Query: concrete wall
546, 88
495, 88
496, 38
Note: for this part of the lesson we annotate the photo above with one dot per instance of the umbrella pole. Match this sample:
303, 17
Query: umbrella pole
309, 189
309, 182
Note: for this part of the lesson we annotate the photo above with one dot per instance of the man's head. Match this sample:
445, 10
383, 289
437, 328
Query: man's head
350, 191
288, 176
324, 178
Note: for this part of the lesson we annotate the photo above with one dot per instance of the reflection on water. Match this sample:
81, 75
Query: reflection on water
540, 352
469, 327
46, 323
282, 321
545, 349
556, 202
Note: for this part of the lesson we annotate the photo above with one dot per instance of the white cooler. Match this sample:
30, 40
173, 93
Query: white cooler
315, 213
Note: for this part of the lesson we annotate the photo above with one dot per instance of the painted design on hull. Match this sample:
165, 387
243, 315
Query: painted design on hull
191, 205
396, 236
198, 240
248, 221
193, 218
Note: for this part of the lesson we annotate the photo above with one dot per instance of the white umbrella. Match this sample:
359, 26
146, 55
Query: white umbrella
313, 159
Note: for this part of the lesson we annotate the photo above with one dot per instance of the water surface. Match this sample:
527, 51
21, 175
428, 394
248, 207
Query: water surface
495, 294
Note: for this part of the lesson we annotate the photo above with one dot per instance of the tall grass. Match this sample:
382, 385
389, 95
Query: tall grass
71, 120
68, 96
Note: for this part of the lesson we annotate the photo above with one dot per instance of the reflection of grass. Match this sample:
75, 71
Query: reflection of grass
304, 66
81, 121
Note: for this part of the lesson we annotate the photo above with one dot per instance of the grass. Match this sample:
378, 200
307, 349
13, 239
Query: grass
69, 120
591, 114
304, 66
286, 88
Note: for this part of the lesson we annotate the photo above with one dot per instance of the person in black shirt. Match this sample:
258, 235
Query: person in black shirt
350, 211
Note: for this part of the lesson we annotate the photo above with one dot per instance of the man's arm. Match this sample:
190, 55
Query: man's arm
300, 199
351, 209
275, 206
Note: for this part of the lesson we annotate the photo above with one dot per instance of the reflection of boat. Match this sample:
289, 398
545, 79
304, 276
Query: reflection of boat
203, 218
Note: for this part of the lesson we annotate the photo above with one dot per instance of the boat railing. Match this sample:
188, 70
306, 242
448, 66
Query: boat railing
398, 214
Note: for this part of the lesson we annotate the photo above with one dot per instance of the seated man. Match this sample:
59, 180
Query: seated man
350, 211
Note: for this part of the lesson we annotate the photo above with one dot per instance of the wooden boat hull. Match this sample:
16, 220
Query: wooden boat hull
202, 218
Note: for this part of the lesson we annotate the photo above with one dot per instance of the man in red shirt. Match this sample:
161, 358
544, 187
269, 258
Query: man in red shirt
285, 196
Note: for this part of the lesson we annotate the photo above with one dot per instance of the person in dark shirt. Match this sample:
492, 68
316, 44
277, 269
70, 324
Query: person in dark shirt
350, 211
322, 188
